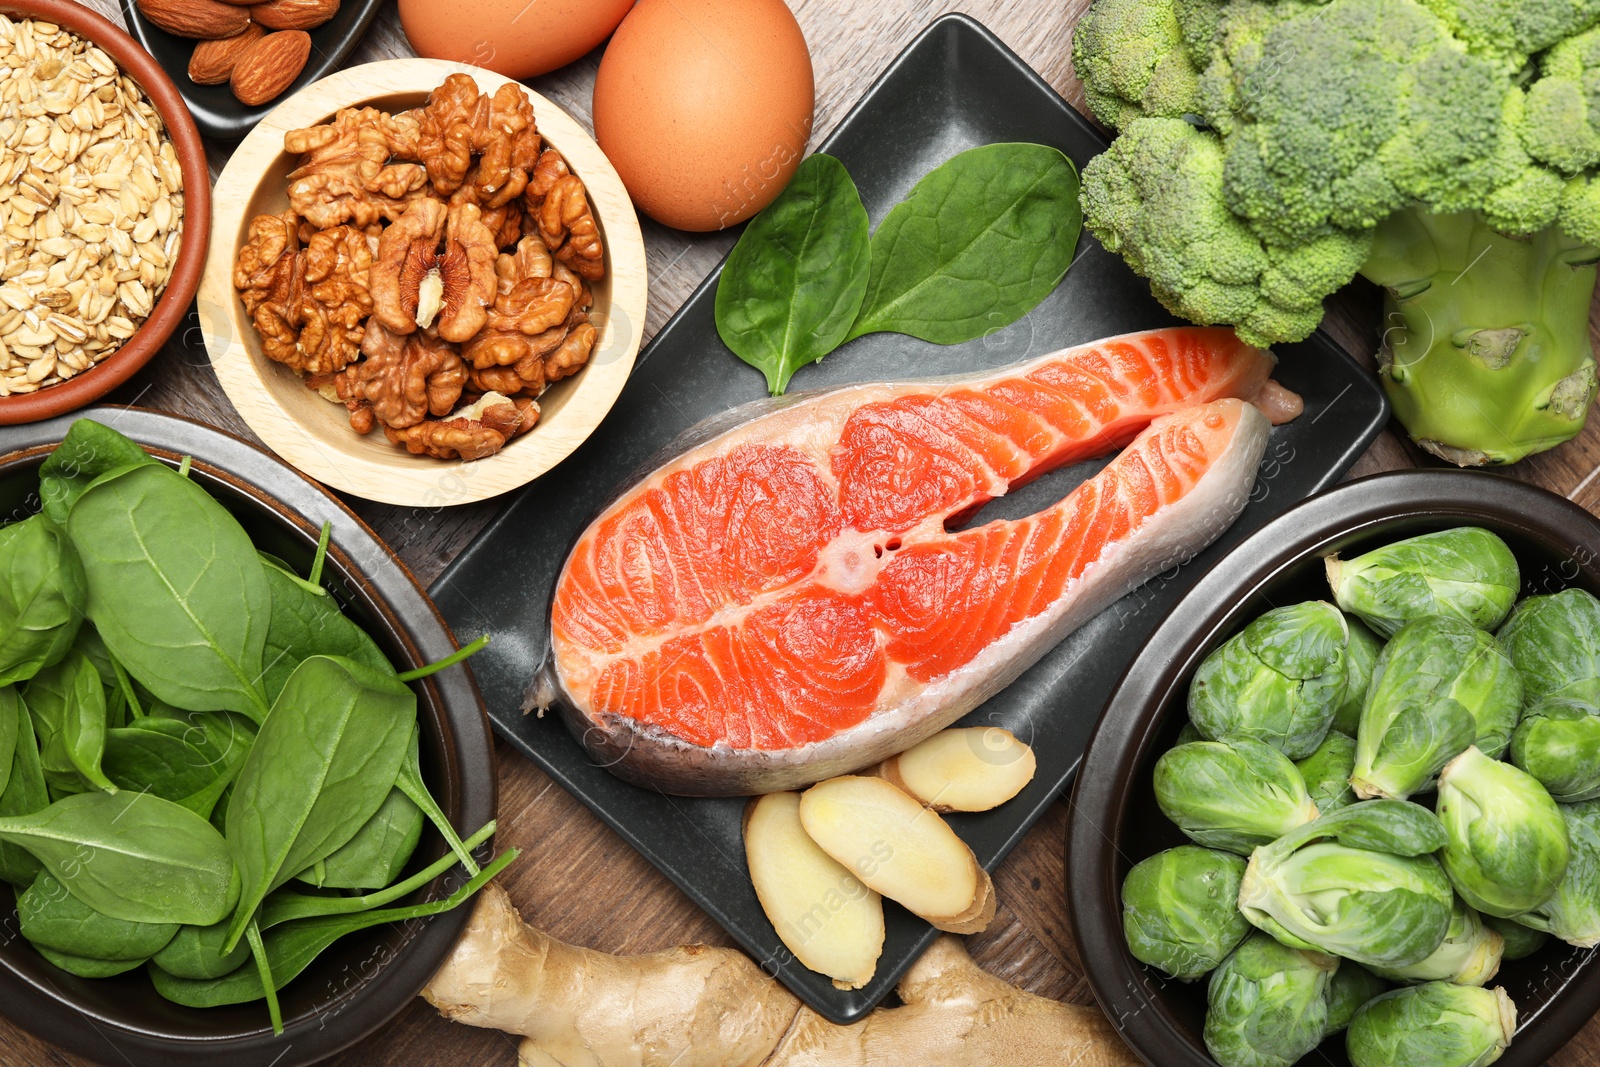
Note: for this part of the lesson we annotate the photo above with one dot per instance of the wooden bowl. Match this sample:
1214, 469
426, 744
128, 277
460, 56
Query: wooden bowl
170, 310
1115, 821
315, 435
365, 979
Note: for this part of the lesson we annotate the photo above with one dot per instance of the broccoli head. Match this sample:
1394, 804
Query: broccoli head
1133, 59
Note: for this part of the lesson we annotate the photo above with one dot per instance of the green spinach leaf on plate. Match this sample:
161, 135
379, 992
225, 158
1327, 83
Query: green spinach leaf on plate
51, 917
89, 450
42, 597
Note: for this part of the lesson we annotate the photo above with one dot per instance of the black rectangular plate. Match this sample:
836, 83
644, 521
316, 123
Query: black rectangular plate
955, 87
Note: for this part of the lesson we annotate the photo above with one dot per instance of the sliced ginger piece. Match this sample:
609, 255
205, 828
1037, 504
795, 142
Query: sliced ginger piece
830, 921
900, 849
974, 768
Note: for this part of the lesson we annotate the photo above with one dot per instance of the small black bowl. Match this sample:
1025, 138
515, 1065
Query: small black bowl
365, 979
216, 110
1115, 822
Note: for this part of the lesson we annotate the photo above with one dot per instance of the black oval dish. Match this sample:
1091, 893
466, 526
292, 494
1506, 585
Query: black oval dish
1115, 822
216, 110
363, 980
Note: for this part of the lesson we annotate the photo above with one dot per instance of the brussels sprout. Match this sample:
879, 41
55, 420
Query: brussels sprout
1507, 842
1360, 659
1521, 941
1440, 686
1558, 742
1233, 794
1469, 955
1573, 913
1466, 573
1435, 1025
1180, 910
1278, 680
1327, 772
1268, 1004
1555, 643
1358, 883
1352, 986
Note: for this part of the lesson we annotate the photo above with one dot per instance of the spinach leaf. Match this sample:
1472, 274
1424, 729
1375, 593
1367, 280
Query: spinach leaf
168, 766
322, 764
269, 987
176, 590
49, 699
291, 947
196, 952
51, 917
42, 597
303, 624
83, 730
88, 451
132, 856
25, 793
411, 784
11, 715
286, 905
978, 243
377, 854
85, 966
793, 284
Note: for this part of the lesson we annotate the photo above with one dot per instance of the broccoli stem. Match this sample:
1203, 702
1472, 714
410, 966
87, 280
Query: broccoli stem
1486, 355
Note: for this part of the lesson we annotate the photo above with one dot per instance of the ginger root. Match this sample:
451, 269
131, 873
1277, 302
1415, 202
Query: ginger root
975, 768
696, 1006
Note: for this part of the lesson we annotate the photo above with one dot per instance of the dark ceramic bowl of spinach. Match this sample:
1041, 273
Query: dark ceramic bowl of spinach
365, 978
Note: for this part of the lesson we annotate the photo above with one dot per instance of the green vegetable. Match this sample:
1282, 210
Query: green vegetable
176, 590
1555, 642
793, 284
409, 781
1469, 954
88, 451
1360, 660
42, 594
1572, 913
291, 947
1327, 772
85, 966
1387, 137
12, 713
83, 730
1358, 883
1267, 1004
305, 624
1352, 986
1180, 910
1233, 795
322, 764
132, 856
980, 240
1435, 1025
1466, 573
1520, 941
161, 762
1440, 686
1558, 742
197, 952
1507, 847
25, 793
1279, 680
378, 852
51, 917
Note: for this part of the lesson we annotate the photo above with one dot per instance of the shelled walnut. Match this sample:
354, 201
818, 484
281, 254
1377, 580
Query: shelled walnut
432, 271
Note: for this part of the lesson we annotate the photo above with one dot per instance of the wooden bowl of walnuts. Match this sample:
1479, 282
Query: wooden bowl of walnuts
426, 285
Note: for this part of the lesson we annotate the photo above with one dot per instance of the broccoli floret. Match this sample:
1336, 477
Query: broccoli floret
1156, 198
1133, 60
1562, 125
1509, 31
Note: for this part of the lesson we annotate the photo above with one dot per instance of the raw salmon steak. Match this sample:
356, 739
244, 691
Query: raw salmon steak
786, 600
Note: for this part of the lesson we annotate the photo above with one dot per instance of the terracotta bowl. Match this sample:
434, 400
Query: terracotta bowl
365, 979
313, 434
174, 303
1115, 821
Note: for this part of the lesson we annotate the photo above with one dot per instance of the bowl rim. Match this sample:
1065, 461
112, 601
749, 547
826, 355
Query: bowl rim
424, 482
470, 780
1127, 991
173, 305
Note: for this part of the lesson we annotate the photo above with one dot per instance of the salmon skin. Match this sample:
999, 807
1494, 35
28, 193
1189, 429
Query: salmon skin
786, 599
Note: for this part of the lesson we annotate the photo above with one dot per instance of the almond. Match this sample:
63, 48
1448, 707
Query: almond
270, 65
206, 19
213, 61
294, 14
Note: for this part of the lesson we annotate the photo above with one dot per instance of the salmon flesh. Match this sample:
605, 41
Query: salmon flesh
788, 600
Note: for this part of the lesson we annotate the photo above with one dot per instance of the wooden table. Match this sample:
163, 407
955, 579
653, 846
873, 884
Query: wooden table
576, 879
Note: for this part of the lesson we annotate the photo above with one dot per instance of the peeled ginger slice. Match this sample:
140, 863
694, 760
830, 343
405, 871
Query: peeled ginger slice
974, 768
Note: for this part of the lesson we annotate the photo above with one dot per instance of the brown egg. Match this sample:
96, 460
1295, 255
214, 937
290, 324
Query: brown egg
518, 38
704, 107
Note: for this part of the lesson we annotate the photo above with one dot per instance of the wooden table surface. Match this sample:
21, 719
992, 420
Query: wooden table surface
576, 879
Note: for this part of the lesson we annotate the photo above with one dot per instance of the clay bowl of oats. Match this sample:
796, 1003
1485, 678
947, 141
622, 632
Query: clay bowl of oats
426, 285
105, 206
